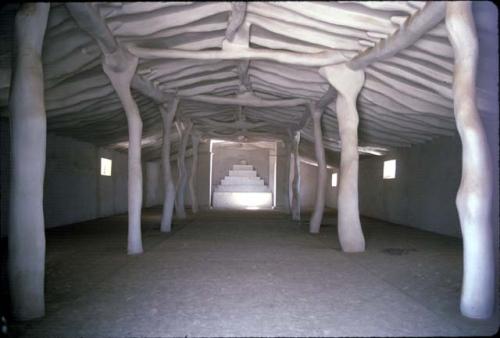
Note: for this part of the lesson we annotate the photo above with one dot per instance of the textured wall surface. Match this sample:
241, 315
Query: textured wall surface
203, 176
74, 190
423, 193
4, 175
282, 179
153, 183
308, 176
224, 158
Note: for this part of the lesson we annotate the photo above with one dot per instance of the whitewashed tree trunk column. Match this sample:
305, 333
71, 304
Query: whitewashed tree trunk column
319, 205
167, 115
193, 174
296, 178
120, 67
291, 173
348, 83
288, 169
475, 193
180, 211
26, 246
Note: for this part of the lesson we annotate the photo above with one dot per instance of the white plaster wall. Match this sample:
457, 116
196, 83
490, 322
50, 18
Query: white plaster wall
331, 192
225, 157
187, 194
282, 179
423, 193
74, 190
105, 200
120, 182
70, 186
203, 177
308, 176
153, 184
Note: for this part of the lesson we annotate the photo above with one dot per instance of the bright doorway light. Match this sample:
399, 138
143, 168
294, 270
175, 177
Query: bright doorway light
334, 179
105, 167
389, 169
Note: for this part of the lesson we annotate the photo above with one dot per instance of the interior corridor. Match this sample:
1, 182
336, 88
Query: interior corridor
250, 273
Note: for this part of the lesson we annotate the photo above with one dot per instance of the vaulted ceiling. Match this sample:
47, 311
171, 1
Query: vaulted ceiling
406, 99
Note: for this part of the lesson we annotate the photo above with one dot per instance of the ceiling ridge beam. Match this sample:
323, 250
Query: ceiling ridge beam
248, 99
329, 57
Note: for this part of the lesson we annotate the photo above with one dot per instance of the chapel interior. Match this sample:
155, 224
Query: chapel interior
237, 169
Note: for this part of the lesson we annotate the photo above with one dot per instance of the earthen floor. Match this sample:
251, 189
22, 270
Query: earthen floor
250, 273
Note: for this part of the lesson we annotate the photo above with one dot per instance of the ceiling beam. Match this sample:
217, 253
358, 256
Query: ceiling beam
235, 52
247, 99
89, 19
410, 31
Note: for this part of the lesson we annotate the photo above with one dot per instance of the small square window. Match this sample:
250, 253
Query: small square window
389, 169
105, 167
334, 179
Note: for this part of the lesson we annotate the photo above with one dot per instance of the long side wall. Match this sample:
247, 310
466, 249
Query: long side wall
423, 193
308, 175
153, 179
74, 190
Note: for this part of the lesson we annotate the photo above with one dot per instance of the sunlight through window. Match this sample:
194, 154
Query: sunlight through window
334, 179
389, 169
105, 167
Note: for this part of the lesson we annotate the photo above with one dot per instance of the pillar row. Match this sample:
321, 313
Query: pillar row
296, 177
167, 114
180, 210
194, 173
120, 67
348, 83
26, 232
475, 194
319, 204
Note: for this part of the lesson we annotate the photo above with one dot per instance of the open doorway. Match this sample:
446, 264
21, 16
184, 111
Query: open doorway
243, 175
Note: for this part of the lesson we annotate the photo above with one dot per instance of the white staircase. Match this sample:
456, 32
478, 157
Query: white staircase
242, 189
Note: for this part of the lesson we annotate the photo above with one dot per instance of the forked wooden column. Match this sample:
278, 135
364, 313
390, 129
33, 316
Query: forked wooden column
319, 204
194, 173
120, 67
167, 115
348, 83
26, 232
296, 177
180, 211
475, 193
288, 170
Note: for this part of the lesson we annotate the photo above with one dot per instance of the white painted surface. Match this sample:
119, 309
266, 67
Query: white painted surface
242, 189
153, 184
242, 200
423, 193
74, 190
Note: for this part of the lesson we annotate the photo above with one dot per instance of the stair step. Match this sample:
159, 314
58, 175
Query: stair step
244, 178
242, 167
241, 181
243, 173
242, 188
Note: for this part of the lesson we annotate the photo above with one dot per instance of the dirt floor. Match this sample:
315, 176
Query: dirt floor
250, 273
